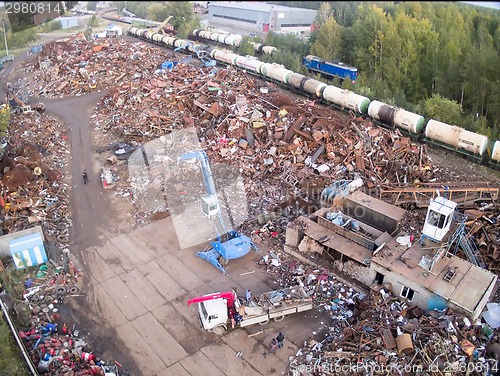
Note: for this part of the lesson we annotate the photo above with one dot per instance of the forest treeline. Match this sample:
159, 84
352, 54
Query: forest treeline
438, 59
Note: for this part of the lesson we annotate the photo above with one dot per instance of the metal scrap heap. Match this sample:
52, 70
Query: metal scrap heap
32, 186
375, 333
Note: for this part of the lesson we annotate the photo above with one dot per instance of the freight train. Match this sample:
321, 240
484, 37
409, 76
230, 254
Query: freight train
470, 144
233, 40
330, 69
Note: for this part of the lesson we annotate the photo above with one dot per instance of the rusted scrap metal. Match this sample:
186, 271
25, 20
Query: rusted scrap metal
374, 330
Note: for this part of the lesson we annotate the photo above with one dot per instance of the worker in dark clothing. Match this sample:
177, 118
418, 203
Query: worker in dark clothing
85, 177
280, 339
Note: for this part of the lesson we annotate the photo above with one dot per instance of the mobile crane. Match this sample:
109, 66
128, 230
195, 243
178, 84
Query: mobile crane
219, 312
230, 243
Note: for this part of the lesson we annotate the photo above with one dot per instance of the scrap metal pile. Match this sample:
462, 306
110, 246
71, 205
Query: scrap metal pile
32, 186
75, 66
375, 332
34, 192
242, 119
55, 346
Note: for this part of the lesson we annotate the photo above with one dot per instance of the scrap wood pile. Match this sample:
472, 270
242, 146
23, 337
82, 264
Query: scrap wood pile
375, 332
32, 188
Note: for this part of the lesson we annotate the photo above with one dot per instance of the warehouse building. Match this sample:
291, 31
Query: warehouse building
261, 17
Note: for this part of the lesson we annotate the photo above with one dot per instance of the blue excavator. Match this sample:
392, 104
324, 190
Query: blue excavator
230, 244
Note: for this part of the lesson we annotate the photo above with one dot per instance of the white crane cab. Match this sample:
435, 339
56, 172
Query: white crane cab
214, 314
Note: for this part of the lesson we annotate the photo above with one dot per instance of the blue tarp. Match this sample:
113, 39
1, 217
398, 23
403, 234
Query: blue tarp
167, 65
28, 251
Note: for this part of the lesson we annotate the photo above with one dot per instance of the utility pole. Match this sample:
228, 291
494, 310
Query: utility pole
5, 38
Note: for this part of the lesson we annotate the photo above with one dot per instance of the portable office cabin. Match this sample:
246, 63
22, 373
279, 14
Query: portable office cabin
28, 250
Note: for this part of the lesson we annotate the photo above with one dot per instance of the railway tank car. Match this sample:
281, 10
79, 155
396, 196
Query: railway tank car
456, 137
346, 99
434, 132
233, 40
495, 153
394, 116
307, 84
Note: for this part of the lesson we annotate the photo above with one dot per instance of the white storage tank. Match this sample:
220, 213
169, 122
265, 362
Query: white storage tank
456, 137
381, 111
314, 87
193, 47
240, 60
495, 153
408, 120
231, 39
295, 80
474, 142
251, 64
269, 50
346, 98
149, 35
179, 42
204, 34
442, 132
168, 41
332, 94
276, 72
225, 56
222, 38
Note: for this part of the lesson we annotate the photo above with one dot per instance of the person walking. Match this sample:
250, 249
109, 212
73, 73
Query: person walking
272, 346
248, 296
280, 338
85, 177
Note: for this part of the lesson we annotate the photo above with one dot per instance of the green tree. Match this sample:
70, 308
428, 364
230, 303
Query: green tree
183, 18
246, 47
442, 109
368, 35
157, 12
324, 13
93, 21
328, 42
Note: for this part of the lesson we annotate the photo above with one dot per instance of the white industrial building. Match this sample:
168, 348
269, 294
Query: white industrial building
261, 17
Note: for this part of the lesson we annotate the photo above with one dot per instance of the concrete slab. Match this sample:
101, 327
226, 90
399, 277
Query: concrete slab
183, 324
224, 356
143, 355
96, 267
223, 283
147, 238
175, 369
100, 301
192, 227
133, 251
126, 301
199, 364
162, 234
114, 258
143, 289
179, 272
159, 340
164, 284
203, 269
